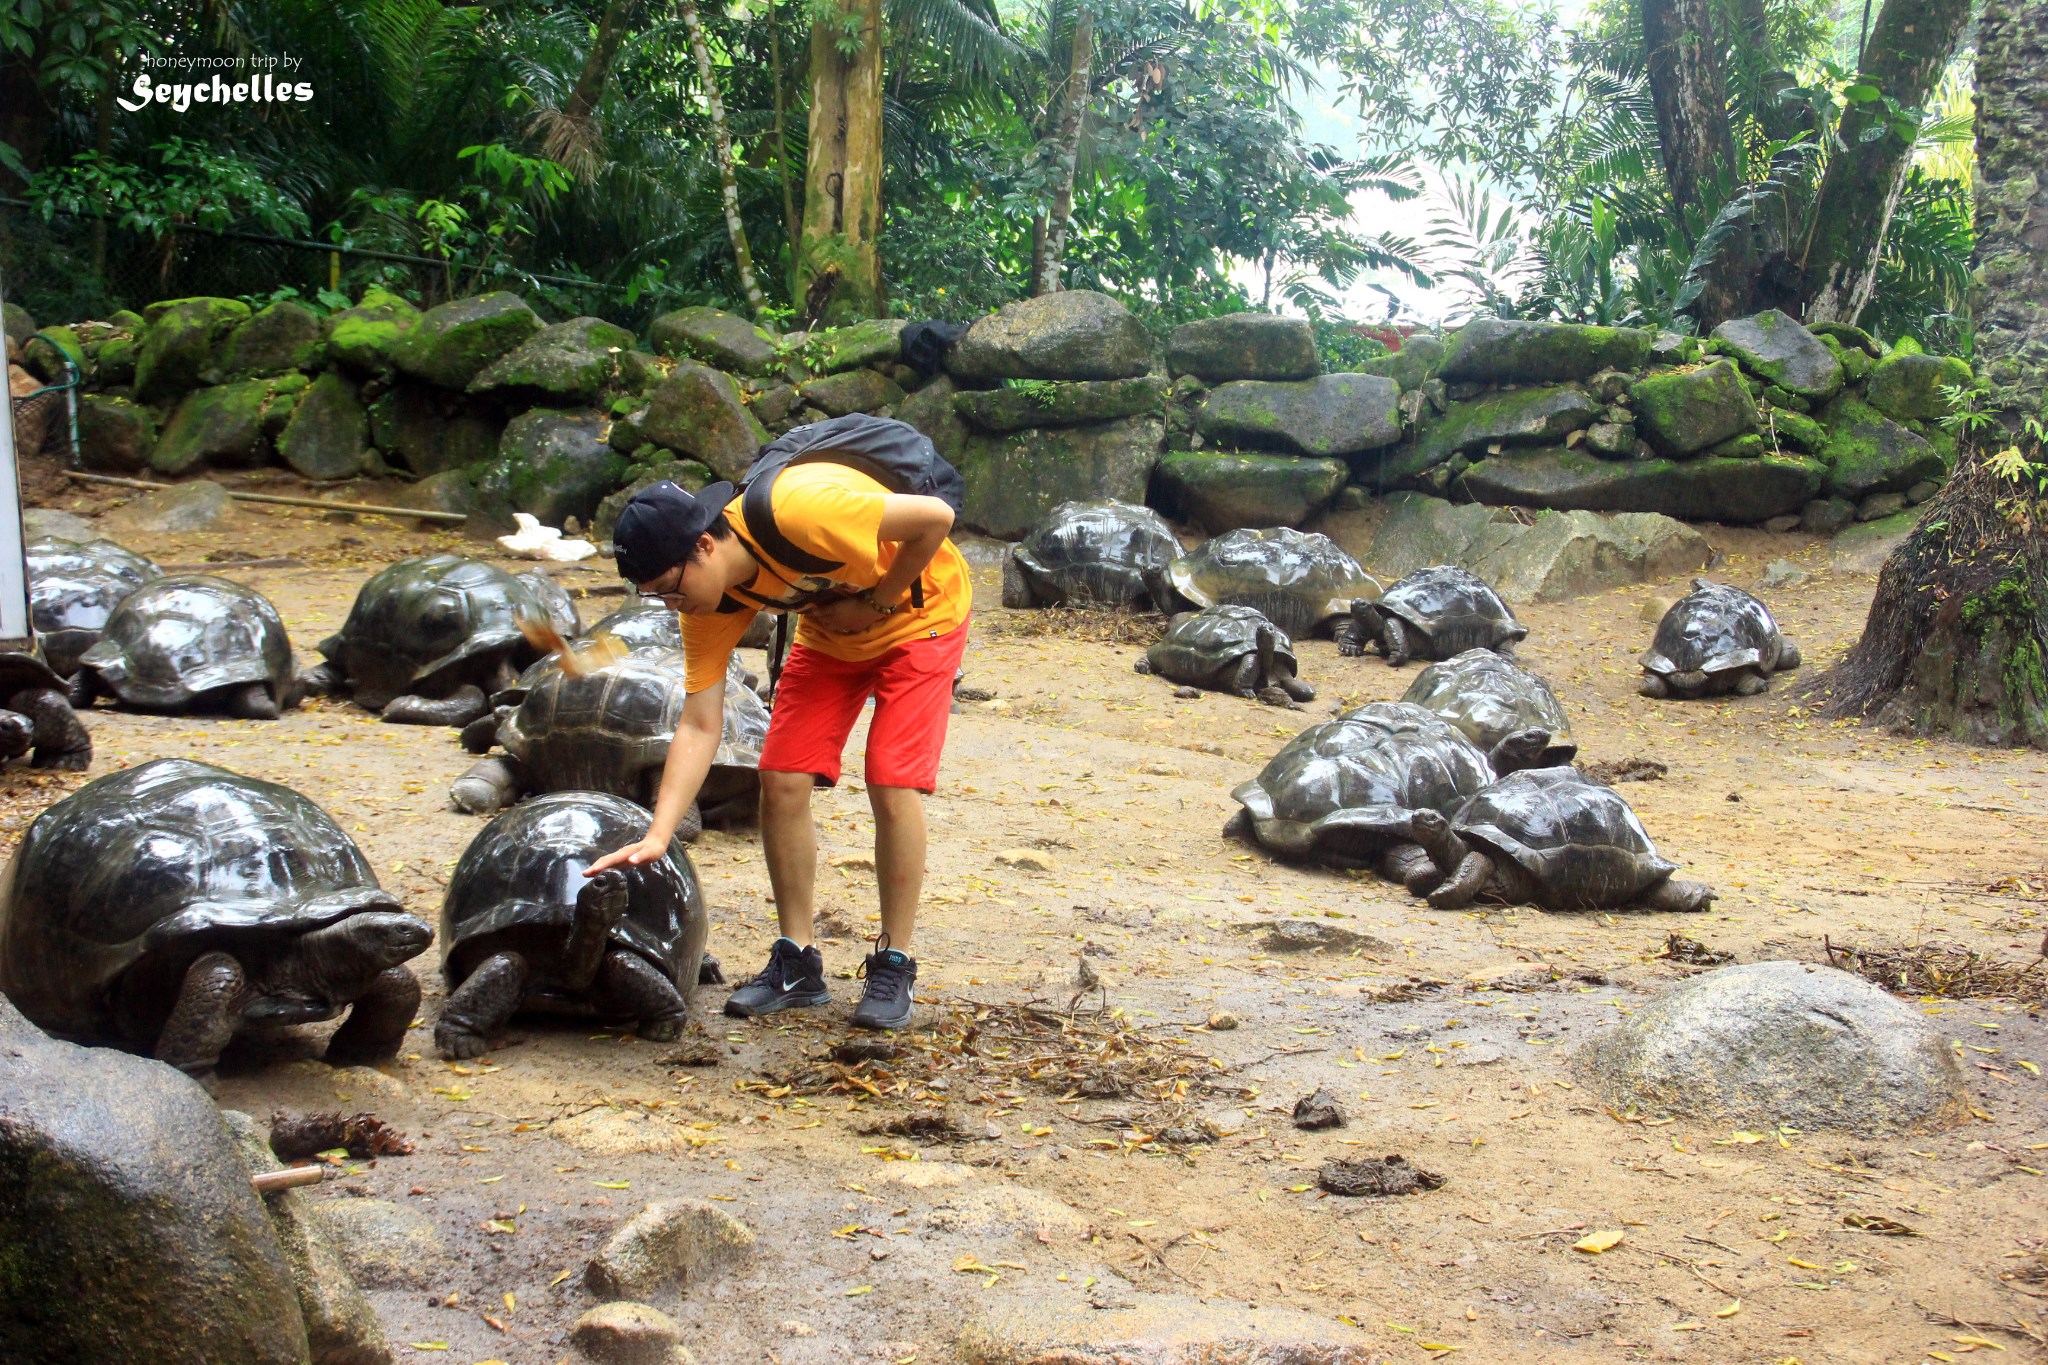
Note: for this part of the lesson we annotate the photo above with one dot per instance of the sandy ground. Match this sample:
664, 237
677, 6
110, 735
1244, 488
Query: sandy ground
1446, 1036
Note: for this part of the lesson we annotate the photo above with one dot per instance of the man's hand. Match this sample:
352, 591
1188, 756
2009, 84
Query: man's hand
632, 855
846, 616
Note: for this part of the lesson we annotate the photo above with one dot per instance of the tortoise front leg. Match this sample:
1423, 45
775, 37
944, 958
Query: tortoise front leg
377, 1021
598, 907
1465, 884
1752, 682
457, 709
17, 733
1412, 867
480, 1007
61, 741
252, 701
1788, 655
1679, 897
1653, 685
1354, 631
710, 972
1394, 639
321, 680
490, 784
208, 1008
628, 984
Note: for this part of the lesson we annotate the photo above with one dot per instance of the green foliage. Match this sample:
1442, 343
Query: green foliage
182, 182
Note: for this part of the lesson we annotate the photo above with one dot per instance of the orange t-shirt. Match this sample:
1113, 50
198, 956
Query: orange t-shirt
835, 513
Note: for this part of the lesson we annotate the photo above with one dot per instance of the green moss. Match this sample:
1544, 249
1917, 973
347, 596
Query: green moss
1684, 411
2009, 608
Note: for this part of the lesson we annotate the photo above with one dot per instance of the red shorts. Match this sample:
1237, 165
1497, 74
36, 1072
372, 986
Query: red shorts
819, 698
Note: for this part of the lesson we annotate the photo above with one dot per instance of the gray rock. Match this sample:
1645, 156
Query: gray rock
1877, 506
1864, 548
328, 436
931, 410
688, 474
875, 341
717, 338
1921, 492
1244, 346
697, 411
1707, 488
1776, 349
1013, 480
115, 436
1130, 1327
452, 490
1782, 573
1672, 348
284, 336
1571, 554
770, 407
1222, 491
132, 1234
1491, 351
341, 1327
429, 430
1516, 417
1770, 1043
199, 505
1413, 366
453, 342
851, 391
1073, 334
20, 324
629, 1334
177, 352
48, 521
1334, 414
1420, 531
1908, 387
569, 362
385, 1245
1780, 524
1867, 452
1611, 440
1683, 411
1825, 516
666, 1245
1048, 403
553, 466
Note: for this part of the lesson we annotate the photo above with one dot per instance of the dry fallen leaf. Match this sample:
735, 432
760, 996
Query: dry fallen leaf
1593, 1243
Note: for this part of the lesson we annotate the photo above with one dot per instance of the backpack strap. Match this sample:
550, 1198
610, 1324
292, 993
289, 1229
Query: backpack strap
757, 509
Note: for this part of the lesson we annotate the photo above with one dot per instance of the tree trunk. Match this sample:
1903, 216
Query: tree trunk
721, 142
25, 112
792, 226
843, 170
1694, 138
570, 135
1051, 244
1958, 631
1908, 49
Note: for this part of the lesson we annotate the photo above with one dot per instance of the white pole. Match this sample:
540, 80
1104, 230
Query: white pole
14, 622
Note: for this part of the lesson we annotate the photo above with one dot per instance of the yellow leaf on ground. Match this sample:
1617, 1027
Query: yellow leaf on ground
1593, 1243
859, 1290
1734, 1307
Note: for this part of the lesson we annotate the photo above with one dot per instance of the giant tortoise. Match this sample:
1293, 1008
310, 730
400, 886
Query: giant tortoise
73, 587
1091, 554
192, 643
1493, 701
1436, 612
1715, 639
1301, 581
1228, 649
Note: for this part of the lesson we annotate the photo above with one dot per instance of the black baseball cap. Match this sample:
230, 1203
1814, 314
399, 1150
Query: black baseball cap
659, 525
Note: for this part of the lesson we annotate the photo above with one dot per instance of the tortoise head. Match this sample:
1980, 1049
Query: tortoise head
340, 959
1522, 749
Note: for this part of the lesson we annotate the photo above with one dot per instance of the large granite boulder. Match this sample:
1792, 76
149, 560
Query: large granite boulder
1685, 411
1333, 414
1536, 416
1073, 334
1419, 531
932, 411
697, 411
1414, 365
1907, 387
429, 430
328, 436
285, 336
1867, 452
568, 362
1222, 491
717, 338
688, 474
1558, 556
227, 425
1048, 403
129, 1234
875, 341
1244, 346
1776, 349
1770, 1043
115, 436
1491, 351
1708, 488
364, 337
850, 391
1014, 479
453, 342
553, 466
179, 350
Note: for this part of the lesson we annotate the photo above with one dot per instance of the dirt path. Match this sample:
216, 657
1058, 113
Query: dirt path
1055, 1208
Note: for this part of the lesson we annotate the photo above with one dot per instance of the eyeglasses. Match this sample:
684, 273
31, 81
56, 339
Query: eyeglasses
671, 596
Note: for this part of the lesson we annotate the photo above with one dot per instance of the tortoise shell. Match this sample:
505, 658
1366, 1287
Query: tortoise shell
517, 883
73, 588
643, 623
1298, 580
1101, 553
174, 639
136, 874
1345, 789
1489, 698
1715, 629
1579, 842
430, 624
1202, 647
1451, 610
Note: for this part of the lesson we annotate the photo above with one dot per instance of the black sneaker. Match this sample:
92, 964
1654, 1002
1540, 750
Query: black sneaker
794, 977
885, 1004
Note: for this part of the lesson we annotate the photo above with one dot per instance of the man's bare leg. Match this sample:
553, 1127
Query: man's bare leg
899, 859
789, 843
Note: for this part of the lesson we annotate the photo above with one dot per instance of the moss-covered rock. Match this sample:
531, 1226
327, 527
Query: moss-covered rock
1222, 491
717, 338
1013, 480
1866, 452
178, 351
697, 411
568, 362
19, 323
1072, 334
328, 436
1775, 348
1684, 411
1244, 346
931, 410
428, 430
1334, 414
1049, 403
690, 474
364, 337
1747, 446
1908, 388
1708, 488
53, 354
1797, 431
115, 436
113, 365
851, 391
1414, 365
452, 342
284, 336
876, 342
553, 465
229, 425
1491, 351
1536, 416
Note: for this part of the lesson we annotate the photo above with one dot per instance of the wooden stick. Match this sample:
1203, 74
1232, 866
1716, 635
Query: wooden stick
417, 513
291, 1177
